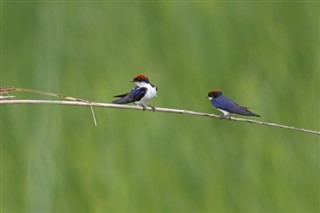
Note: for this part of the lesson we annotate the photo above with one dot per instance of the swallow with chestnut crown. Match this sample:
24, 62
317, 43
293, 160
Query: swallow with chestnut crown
139, 95
228, 106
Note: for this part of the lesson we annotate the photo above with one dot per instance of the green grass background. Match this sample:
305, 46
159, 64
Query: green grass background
263, 54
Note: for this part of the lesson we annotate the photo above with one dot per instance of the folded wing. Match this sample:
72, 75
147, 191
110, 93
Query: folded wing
228, 105
135, 95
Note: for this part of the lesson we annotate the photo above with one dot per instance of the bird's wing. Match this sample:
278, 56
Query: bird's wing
229, 105
121, 96
223, 103
135, 95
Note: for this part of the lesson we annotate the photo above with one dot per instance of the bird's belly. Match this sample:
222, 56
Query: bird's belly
151, 93
224, 112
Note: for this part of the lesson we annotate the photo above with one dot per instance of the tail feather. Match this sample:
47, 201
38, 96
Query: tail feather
121, 101
124, 100
252, 114
121, 96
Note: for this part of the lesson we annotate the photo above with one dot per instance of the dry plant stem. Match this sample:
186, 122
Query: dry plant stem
6, 90
165, 110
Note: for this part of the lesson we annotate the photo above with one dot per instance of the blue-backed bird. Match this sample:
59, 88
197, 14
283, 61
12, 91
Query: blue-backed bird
139, 95
228, 106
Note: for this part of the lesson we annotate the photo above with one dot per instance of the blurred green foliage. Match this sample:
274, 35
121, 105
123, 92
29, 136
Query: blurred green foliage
263, 54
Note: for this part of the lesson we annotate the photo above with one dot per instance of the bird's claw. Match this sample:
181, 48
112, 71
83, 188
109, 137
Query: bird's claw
153, 108
144, 108
226, 116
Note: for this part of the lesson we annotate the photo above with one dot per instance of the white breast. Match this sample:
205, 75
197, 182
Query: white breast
151, 93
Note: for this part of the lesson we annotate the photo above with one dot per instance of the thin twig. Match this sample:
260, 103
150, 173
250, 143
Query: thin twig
93, 116
166, 110
6, 90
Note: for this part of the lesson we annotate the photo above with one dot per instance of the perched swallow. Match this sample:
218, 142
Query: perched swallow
226, 105
141, 94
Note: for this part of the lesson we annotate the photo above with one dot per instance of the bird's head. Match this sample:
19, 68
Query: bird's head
214, 94
140, 78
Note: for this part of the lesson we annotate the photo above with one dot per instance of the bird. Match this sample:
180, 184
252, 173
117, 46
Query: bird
141, 94
228, 106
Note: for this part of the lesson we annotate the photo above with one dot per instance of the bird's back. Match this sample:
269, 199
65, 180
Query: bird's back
225, 103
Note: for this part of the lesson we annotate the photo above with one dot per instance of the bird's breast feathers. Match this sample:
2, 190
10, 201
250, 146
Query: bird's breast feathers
151, 93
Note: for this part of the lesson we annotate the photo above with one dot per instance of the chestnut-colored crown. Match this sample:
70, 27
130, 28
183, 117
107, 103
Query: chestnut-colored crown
214, 93
141, 78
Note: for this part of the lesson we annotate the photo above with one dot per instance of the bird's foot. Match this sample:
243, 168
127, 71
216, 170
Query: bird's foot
228, 116
143, 107
153, 108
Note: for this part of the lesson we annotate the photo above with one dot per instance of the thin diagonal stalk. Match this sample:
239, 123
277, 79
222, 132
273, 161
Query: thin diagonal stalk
158, 109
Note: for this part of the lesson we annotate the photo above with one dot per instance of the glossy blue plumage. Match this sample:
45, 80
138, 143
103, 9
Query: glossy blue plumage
134, 95
224, 103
